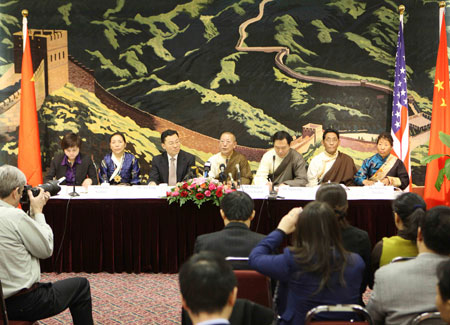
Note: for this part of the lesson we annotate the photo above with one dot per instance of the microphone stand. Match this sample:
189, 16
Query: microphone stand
74, 192
273, 194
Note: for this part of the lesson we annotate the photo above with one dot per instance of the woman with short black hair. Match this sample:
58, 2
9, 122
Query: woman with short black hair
77, 168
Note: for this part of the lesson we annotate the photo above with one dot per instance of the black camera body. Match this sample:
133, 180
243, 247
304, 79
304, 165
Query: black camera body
51, 186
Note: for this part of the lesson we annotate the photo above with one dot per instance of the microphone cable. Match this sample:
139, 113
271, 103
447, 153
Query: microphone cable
66, 217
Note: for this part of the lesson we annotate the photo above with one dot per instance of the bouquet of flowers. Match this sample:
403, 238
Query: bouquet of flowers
198, 190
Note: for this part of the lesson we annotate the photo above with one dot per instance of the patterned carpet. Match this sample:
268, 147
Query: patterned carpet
123, 298
127, 298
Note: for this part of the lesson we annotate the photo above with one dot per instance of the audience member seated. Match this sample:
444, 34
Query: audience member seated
316, 270
77, 168
174, 164
230, 158
443, 291
405, 289
355, 240
119, 167
408, 208
208, 288
24, 239
331, 165
236, 239
281, 165
383, 168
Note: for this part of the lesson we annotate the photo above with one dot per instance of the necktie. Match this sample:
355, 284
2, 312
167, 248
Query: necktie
172, 172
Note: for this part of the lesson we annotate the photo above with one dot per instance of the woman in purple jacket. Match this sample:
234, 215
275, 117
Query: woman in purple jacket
316, 270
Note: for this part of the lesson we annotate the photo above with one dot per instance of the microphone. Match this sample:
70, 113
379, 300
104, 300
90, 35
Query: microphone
272, 175
207, 168
238, 174
273, 193
96, 169
192, 173
222, 175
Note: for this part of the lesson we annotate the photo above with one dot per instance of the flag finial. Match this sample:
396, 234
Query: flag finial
442, 4
25, 13
401, 9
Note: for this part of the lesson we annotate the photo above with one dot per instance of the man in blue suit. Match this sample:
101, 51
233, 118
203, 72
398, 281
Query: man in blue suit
174, 164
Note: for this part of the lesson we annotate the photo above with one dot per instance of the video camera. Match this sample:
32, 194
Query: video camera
51, 186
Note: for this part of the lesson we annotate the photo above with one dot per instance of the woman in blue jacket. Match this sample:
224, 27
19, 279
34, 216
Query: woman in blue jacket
315, 270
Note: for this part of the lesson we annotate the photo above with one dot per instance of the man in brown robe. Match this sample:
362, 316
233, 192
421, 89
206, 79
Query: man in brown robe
331, 165
234, 163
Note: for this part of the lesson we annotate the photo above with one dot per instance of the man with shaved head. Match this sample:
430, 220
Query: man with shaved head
230, 159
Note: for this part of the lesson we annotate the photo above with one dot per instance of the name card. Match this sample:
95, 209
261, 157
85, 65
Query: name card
297, 193
372, 193
256, 191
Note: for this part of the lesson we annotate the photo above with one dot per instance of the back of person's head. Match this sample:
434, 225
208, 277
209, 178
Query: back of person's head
10, 178
70, 140
443, 302
168, 133
410, 208
206, 282
281, 135
443, 274
318, 244
336, 197
237, 206
435, 228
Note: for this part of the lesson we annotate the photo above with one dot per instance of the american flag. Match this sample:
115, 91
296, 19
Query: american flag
400, 124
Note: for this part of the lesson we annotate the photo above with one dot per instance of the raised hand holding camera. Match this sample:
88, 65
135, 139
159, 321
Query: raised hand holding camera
38, 202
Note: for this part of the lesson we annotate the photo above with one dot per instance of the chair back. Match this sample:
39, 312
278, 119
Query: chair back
356, 309
254, 286
429, 318
402, 259
4, 315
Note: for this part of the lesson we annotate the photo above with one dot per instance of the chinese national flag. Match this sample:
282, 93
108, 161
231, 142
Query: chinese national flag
29, 158
440, 121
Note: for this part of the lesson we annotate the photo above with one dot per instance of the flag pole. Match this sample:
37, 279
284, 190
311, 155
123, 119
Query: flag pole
441, 13
401, 9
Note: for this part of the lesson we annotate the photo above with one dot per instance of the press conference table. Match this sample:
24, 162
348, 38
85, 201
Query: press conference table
125, 230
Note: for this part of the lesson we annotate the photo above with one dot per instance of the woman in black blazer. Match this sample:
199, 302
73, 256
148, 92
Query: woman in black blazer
78, 169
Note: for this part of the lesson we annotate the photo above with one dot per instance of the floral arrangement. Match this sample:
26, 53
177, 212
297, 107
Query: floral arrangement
198, 190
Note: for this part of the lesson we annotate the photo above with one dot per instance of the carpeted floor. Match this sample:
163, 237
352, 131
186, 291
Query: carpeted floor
123, 298
127, 298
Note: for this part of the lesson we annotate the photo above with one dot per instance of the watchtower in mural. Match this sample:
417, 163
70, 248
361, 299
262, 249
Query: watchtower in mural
49, 46
313, 130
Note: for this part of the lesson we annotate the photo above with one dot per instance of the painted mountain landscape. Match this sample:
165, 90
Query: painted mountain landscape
208, 66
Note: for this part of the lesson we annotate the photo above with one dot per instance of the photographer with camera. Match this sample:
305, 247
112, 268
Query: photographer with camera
23, 241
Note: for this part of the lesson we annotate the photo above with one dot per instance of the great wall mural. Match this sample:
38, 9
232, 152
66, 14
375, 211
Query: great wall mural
204, 66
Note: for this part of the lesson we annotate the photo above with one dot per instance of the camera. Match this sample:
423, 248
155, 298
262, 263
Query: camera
51, 186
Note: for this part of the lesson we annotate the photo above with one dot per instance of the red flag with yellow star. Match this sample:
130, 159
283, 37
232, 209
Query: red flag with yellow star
29, 157
440, 122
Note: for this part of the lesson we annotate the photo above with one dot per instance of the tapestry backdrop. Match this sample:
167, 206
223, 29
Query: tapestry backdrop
206, 66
